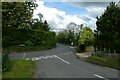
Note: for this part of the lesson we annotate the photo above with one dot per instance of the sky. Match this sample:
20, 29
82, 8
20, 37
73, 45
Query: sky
61, 12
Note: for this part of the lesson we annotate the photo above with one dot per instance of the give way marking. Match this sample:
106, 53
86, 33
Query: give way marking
45, 57
62, 59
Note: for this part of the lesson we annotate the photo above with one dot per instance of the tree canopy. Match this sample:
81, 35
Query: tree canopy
108, 28
86, 36
16, 19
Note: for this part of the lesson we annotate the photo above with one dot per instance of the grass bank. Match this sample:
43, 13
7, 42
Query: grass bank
20, 69
27, 48
104, 61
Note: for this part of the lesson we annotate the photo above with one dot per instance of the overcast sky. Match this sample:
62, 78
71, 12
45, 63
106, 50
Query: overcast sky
60, 13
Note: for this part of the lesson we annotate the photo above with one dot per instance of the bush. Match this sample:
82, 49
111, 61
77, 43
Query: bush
29, 43
42, 38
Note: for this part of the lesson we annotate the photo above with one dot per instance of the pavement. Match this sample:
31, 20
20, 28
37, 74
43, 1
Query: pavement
61, 62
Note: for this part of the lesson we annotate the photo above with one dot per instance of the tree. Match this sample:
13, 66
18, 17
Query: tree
38, 24
74, 31
86, 38
40, 16
46, 26
64, 37
108, 28
16, 19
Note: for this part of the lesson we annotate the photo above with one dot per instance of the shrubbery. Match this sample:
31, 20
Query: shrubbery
112, 62
41, 38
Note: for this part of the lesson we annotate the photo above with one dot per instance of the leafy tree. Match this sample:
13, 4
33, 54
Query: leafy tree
38, 24
108, 28
16, 19
86, 36
74, 31
43, 26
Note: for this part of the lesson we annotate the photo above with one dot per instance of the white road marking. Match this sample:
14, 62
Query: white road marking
36, 58
100, 77
71, 46
45, 57
62, 59
33, 59
27, 59
24, 56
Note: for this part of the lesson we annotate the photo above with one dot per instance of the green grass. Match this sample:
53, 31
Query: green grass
20, 69
104, 61
27, 48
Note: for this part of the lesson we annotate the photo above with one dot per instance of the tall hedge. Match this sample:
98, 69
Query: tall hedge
41, 38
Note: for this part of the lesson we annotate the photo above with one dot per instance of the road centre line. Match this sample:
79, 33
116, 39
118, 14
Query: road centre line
100, 77
62, 59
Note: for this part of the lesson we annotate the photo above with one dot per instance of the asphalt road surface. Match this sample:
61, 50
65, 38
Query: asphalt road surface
61, 62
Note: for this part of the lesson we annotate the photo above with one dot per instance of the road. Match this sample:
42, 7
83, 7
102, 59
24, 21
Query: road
61, 62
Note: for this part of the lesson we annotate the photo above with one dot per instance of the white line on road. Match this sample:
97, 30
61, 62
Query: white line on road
100, 77
24, 56
71, 46
62, 59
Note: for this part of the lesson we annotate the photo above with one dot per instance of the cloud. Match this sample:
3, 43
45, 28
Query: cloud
95, 11
57, 19
90, 21
93, 8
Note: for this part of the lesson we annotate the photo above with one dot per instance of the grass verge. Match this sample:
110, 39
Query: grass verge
104, 61
20, 69
27, 48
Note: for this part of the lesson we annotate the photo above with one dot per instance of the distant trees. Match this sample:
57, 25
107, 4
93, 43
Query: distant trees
64, 37
70, 34
76, 35
107, 35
